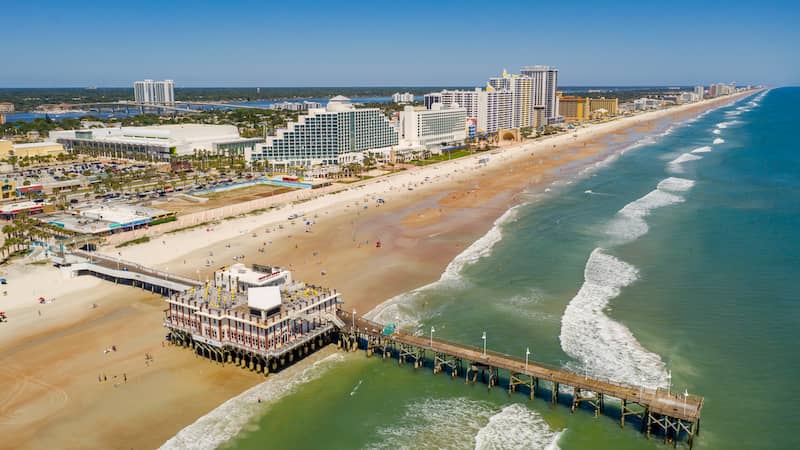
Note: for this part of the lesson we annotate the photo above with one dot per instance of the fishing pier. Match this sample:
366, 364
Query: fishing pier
260, 319
674, 416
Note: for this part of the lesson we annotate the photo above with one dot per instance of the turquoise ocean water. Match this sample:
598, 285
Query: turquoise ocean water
681, 257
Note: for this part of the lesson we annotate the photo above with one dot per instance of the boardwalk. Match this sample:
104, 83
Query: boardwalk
673, 415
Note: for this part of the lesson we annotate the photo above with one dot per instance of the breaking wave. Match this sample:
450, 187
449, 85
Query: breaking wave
229, 419
718, 141
686, 157
675, 184
676, 165
601, 346
399, 309
629, 224
716, 131
460, 423
703, 149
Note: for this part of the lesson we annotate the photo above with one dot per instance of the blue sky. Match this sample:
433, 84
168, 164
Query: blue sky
408, 42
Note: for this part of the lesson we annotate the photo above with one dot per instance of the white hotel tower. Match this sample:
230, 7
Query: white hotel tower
151, 92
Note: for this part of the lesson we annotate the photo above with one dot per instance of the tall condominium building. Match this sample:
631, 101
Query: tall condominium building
494, 110
433, 126
698, 90
521, 88
151, 92
406, 97
544, 85
333, 135
431, 99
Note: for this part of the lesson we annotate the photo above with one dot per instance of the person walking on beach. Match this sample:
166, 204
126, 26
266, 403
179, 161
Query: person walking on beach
125, 377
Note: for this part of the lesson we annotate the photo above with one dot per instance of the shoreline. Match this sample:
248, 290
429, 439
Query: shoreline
421, 232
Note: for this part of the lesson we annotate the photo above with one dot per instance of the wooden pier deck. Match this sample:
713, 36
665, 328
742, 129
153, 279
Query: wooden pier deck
674, 415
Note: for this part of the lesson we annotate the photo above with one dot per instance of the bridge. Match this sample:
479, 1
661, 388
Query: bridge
120, 271
124, 104
178, 106
673, 415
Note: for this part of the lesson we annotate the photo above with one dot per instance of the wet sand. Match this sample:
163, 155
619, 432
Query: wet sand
49, 376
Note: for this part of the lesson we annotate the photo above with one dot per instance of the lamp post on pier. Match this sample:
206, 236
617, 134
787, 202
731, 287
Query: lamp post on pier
432, 331
669, 382
527, 354
354, 318
685, 398
484, 344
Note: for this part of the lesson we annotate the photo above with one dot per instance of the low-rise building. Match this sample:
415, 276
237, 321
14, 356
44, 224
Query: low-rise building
107, 218
29, 150
241, 277
160, 142
647, 103
12, 210
256, 326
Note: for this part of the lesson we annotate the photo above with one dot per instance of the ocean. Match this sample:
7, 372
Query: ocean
674, 263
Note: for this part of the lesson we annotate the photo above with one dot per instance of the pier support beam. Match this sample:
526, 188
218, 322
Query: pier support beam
442, 360
415, 354
631, 409
518, 379
592, 398
554, 393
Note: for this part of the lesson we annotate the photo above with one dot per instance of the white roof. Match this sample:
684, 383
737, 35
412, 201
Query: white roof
35, 144
264, 298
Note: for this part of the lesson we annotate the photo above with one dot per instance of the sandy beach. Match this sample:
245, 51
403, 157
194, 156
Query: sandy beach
54, 353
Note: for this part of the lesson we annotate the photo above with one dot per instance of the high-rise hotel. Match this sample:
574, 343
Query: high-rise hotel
149, 92
337, 134
544, 81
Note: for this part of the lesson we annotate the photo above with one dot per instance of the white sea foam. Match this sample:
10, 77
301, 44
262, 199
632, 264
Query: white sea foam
601, 346
676, 164
461, 423
703, 149
685, 158
629, 224
674, 184
400, 310
227, 420
515, 427
718, 141
717, 131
